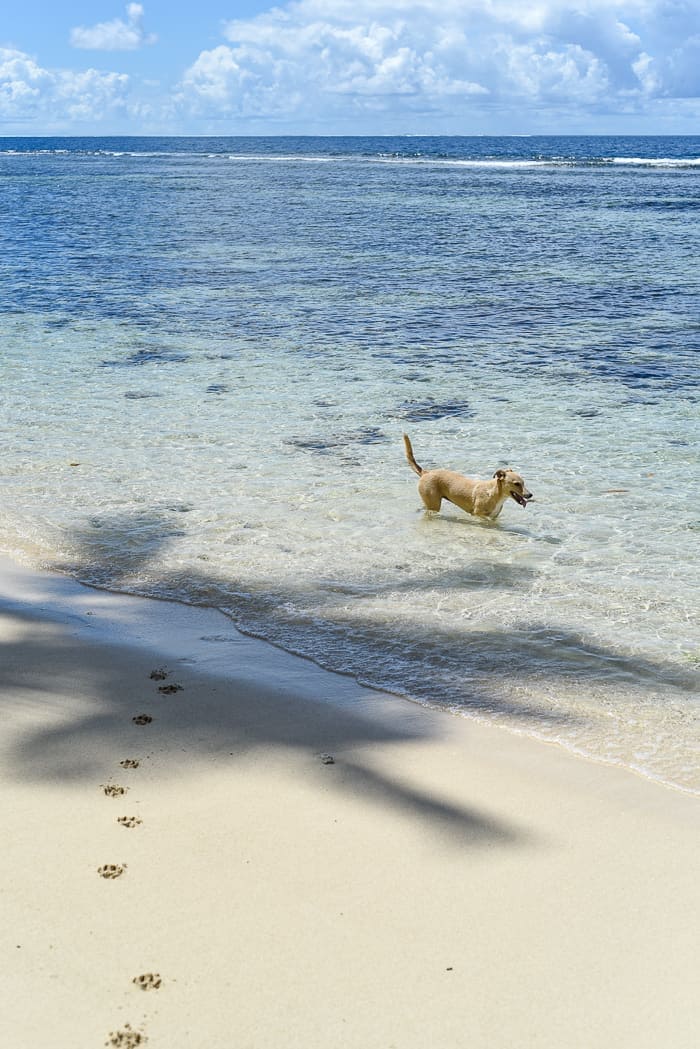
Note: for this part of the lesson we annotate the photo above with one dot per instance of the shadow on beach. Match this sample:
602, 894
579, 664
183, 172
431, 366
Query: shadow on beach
218, 717
212, 718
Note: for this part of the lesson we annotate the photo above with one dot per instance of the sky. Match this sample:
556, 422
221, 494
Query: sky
350, 67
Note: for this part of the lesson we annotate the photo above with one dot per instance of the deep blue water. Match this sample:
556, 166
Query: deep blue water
520, 255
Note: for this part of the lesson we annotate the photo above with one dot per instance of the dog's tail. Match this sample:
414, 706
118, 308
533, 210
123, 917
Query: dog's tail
409, 455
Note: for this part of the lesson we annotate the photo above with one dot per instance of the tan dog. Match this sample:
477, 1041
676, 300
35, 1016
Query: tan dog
481, 498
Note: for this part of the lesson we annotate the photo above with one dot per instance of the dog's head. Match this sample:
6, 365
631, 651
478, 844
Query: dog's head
514, 485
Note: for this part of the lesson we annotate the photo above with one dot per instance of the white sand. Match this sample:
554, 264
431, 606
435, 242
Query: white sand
442, 884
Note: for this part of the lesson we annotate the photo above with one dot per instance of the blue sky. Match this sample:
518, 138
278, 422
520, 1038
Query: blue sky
350, 67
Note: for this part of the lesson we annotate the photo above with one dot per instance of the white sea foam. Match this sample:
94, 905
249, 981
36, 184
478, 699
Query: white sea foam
275, 158
657, 162
422, 159
482, 162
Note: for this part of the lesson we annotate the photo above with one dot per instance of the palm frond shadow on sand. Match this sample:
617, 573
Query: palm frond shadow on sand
81, 746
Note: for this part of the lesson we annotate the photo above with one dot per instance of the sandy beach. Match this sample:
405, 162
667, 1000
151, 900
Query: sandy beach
282, 859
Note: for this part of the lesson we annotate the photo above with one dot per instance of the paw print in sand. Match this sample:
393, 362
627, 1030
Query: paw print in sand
126, 1038
130, 763
159, 674
142, 719
111, 870
169, 690
129, 821
113, 790
148, 981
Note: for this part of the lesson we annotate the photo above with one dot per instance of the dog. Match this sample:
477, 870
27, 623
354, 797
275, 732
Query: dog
480, 498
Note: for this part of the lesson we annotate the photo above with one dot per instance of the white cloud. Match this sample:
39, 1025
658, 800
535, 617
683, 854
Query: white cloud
345, 58
29, 93
115, 35
380, 66
288, 60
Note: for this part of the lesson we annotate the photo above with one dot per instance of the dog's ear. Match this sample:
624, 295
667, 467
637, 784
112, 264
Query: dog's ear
499, 475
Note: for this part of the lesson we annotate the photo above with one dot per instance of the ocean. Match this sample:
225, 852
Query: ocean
210, 349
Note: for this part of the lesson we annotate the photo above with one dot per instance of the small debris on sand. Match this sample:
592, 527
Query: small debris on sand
327, 759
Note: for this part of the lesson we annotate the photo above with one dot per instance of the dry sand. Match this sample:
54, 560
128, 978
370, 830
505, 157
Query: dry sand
441, 883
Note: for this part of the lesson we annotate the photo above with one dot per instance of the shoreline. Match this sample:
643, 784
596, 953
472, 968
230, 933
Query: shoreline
439, 881
8, 565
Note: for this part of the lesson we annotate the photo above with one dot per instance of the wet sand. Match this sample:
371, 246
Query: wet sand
209, 842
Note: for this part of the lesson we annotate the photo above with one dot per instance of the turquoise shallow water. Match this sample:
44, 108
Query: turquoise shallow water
228, 338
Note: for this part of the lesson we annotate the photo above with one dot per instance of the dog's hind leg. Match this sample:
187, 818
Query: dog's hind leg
429, 493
